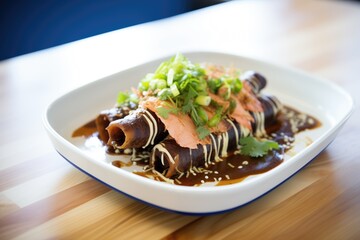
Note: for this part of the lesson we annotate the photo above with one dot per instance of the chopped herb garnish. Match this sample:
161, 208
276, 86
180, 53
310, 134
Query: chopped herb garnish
125, 98
202, 131
225, 86
164, 112
182, 83
252, 147
184, 88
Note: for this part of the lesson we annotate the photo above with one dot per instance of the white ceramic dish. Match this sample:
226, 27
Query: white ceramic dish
320, 98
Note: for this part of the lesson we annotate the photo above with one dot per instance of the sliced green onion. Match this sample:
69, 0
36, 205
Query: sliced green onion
237, 85
170, 77
214, 120
161, 84
174, 90
202, 114
214, 84
122, 97
164, 94
203, 100
157, 84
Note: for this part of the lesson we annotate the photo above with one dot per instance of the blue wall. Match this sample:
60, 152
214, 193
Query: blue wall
27, 26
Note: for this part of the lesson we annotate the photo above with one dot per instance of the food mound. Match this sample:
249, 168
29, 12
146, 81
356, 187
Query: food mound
189, 124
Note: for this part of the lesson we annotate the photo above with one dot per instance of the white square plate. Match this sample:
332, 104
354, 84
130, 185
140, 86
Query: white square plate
322, 99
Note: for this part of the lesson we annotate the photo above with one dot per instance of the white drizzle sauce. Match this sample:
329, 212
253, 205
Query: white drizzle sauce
216, 150
277, 105
260, 124
235, 130
191, 159
155, 127
209, 157
219, 138
225, 138
220, 143
255, 84
162, 159
160, 147
205, 155
151, 129
244, 131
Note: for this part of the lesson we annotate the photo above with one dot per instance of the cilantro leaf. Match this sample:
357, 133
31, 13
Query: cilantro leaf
203, 132
164, 112
252, 147
124, 97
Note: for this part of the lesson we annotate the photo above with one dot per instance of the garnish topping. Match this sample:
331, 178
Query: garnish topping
187, 88
125, 98
252, 147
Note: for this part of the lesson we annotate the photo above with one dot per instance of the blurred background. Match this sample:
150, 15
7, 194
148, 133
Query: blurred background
31, 25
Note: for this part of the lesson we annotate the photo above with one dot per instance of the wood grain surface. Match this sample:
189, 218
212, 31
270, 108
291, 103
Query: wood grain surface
44, 197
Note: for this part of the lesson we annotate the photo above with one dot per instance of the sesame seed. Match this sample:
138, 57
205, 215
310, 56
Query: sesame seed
127, 151
230, 165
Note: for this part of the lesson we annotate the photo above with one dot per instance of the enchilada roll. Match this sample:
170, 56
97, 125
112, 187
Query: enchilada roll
206, 122
103, 120
265, 121
140, 129
255, 80
171, 159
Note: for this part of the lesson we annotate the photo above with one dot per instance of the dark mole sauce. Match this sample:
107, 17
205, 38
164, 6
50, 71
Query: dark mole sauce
235, 167
86, 130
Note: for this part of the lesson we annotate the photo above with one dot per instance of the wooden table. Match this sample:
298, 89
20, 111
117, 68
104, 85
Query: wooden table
42, 196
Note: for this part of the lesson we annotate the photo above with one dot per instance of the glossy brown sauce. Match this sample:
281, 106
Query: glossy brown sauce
235, 167
121, 164
86, 130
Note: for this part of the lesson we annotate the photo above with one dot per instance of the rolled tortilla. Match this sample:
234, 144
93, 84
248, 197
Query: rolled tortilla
103, 120
255, 79
140, 129
171, 159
